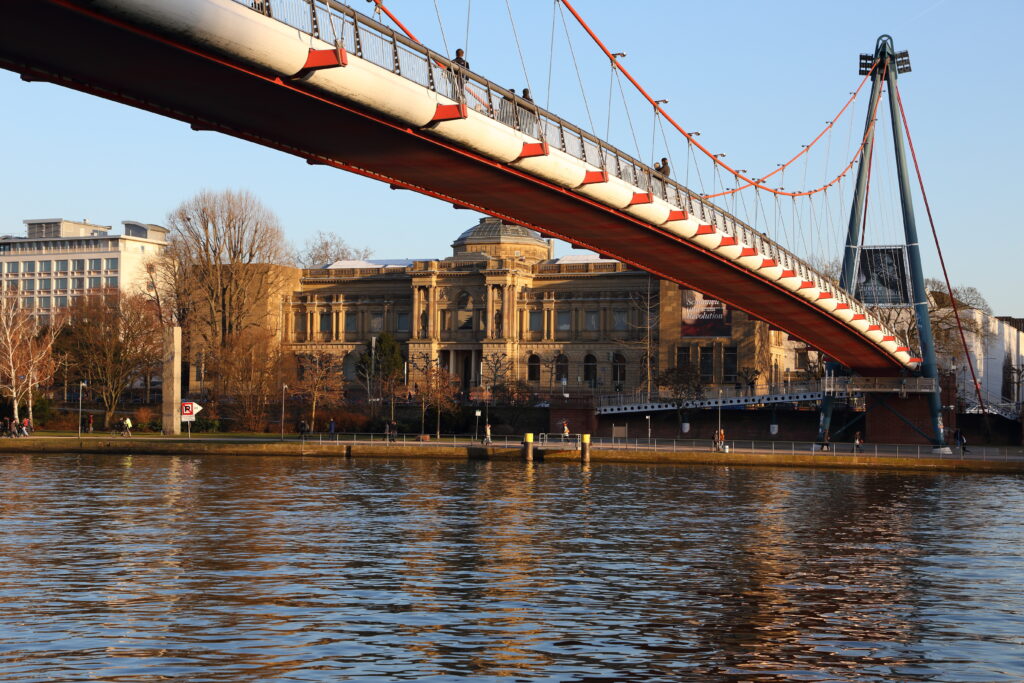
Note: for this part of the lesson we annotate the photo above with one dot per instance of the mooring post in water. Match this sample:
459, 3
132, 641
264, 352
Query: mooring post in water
585, 448
528, 446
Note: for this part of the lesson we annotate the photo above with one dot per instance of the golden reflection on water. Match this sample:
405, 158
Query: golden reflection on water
309, 569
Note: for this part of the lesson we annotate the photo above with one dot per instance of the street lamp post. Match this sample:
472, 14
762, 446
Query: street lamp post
476, 430
648, 427
81, 388
284, 388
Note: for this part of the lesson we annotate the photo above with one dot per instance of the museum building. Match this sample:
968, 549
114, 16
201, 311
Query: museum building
502, 302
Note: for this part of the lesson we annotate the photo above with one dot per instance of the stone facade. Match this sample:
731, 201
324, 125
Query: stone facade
575, 325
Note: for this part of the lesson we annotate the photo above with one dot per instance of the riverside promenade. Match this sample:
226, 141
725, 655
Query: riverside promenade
691, 452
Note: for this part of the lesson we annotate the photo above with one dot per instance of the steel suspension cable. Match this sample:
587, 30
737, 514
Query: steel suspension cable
750, 182
579, 76
551, 53
440, 23
519, 49
938, 248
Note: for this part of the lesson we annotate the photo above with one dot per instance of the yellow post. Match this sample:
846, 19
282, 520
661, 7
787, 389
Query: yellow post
585, 448
528, 446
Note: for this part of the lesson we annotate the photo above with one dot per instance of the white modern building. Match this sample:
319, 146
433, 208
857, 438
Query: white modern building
997, 355
58, 260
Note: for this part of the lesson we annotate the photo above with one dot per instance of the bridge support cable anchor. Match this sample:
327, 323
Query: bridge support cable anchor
322, 59
534, 149
449, 112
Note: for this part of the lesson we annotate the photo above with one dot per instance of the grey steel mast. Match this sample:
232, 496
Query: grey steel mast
887, 63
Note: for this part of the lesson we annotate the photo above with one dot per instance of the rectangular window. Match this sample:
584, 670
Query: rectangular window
446, 320
28, 285
45, 266
563, 321
376, 322
62, 266
95, 264
351, 321
61, 301
62, 283
682, 356
325, 322
620, 320
402, 321
707, 363
28, 266
592, 321
111, 264
112, 282
12, 285
95, 282
28, 302
44, 284
44, 302
300, 323
78, 264
536, 321
729, 364
13, 266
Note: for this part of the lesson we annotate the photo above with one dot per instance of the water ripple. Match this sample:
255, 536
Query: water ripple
232, 569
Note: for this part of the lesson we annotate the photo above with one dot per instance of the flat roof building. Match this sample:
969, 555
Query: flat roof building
59, 259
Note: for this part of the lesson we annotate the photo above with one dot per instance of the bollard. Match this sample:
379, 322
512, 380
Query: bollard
528, 446
585, 448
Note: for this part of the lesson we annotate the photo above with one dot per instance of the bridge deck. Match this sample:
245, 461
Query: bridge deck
60, 41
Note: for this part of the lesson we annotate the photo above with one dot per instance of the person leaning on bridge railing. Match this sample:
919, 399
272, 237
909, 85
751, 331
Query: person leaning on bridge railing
662, 168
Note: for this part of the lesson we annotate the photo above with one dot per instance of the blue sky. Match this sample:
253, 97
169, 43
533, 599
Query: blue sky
756, 79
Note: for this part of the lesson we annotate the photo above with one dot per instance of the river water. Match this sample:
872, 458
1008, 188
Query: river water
261, 568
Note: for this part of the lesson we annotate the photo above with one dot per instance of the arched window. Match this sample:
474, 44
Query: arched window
618, 368
590, 370
561, 368
533, 368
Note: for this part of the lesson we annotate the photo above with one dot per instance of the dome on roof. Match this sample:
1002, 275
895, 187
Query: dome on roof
491, 230
496, 238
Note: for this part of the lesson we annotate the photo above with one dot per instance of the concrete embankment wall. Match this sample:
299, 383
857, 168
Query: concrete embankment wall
196, 447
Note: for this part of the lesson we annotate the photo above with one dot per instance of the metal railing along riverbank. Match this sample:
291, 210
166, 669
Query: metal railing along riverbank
747, 446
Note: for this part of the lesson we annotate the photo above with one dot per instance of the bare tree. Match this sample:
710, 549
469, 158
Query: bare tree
26, 352
249, 371
438, 389
646, 305
684, 383
220, 266
319, 379
324, 248
111, 341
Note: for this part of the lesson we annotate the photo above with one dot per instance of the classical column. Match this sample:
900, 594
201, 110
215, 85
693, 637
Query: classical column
489, 313
334, 324
510, 311
415, 312
432, 321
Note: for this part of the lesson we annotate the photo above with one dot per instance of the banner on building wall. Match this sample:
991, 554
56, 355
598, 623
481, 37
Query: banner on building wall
702, 316
882, 276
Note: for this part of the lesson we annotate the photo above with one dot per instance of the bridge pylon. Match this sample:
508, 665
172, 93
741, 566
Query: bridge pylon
884, 66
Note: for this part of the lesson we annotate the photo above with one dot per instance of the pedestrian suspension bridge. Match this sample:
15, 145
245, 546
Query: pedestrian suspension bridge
319, 80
